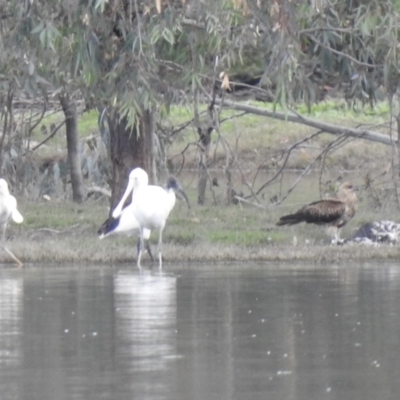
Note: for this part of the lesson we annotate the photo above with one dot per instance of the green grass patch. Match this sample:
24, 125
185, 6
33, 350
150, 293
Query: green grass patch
240, 237
65, 232
257, 140
87, 125
59, 215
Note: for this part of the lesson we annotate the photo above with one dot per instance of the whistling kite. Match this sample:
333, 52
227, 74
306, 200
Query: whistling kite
332, 212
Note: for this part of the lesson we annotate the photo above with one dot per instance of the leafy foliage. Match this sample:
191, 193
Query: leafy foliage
148, 54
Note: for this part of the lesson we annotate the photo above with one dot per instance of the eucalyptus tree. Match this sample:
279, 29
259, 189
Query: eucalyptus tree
134, 58
33, 70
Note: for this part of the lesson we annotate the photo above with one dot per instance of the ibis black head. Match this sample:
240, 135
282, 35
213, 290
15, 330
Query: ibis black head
172, 183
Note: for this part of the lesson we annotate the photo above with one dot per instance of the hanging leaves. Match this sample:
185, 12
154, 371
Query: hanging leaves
294, 49
100, 4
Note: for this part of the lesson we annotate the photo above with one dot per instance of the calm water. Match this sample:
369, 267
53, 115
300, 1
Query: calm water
231, 332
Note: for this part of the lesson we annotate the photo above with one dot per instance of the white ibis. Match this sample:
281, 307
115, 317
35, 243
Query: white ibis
8, 212
151, 205
125, 224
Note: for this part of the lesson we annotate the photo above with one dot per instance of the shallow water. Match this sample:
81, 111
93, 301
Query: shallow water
202, 332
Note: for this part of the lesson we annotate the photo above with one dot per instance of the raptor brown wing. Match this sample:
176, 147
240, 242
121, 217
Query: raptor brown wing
323, 211
319, 212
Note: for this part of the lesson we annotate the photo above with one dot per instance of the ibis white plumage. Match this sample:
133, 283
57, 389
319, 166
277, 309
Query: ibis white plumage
125, 224
8, 208
8, 212
151, 205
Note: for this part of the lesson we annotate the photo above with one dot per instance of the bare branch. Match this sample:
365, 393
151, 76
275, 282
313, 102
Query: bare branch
297, 118
97, 189
241, 199
288, 152
46, 139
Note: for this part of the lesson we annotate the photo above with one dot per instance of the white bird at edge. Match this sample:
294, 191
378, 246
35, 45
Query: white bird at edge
125, 224
8, 212
151, 205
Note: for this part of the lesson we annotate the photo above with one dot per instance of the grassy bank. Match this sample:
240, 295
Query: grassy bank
62, 232
258, 140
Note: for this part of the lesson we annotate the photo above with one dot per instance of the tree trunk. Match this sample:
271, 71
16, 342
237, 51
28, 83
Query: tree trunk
130, 148
230, 193
396, 158
74, 159
204, 149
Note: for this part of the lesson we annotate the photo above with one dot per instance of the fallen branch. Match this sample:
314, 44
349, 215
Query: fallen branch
323, 126
47, 230
97, 189
241, 199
